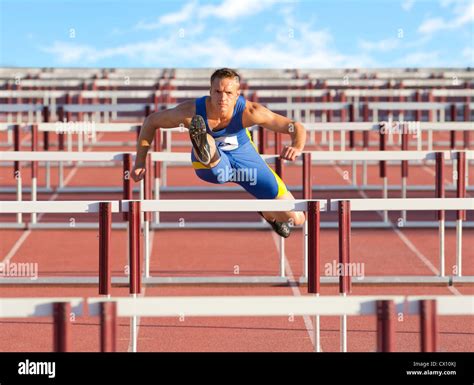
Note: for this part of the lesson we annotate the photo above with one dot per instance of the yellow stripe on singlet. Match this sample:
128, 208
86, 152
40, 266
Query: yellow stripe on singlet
199, 165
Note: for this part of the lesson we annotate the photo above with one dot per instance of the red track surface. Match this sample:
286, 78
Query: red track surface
186, 252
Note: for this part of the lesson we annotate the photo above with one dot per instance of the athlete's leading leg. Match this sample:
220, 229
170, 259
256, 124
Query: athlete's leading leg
204, 146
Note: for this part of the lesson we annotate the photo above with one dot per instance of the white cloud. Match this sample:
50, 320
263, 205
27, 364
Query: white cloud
420, 59
294, 44
379, 46
463, 14
181, 16
407, 4
227, 10
233, 9
309, 48
66, 52
468, 53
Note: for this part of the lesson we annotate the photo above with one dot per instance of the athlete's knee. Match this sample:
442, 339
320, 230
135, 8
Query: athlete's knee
297, 218
301, 218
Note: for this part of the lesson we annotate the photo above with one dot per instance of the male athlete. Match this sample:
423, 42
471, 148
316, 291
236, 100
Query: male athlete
222, 147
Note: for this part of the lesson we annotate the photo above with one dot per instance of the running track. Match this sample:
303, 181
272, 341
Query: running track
185, 252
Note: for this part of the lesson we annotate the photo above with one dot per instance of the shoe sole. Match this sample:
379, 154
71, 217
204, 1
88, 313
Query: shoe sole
283, 235
198, 135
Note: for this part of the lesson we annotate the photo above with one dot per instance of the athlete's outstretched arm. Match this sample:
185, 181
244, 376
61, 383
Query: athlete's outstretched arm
255, 113
163, 119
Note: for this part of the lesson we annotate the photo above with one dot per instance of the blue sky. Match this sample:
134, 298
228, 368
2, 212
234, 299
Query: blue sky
237, 33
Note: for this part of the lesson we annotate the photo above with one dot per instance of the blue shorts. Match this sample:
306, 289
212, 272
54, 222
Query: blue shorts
245, 167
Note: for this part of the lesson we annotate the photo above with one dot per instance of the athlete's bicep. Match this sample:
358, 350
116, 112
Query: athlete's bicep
174, 117
256, 114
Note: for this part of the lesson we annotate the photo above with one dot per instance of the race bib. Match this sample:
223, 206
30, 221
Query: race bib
227, 143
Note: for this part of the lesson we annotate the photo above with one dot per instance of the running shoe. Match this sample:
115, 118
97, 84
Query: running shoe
198, 135
281, 228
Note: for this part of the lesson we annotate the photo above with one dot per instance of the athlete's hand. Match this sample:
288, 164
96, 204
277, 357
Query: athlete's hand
138, 173
290, 153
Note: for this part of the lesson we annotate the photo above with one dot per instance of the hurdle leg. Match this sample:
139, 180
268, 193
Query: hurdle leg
404, 196
364, 173
331, 140
430, 140
459, 247
390, 136
48, 175
157, 197
33, 197
419, 140
142, 196
164, 173
19, 194
80, 143
146, 232
441, 247
455, 172
317, 332
324, 138
344, 330
354, 171
10, 137
61, 174
69, 143
305, 249
385, 195
343, 140
312, 137
134, 329
146, 239
108, 327
62, 327
282, 257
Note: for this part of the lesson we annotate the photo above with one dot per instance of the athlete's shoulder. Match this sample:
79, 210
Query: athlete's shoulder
255, 113
254, 108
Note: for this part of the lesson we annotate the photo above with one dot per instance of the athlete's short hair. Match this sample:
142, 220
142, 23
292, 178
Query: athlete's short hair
223, 73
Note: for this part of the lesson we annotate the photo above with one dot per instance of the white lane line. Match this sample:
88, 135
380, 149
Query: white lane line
16, 246
295, 289
446, 180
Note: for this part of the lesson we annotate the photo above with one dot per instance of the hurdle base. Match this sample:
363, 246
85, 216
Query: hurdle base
225, 225
151, 281
204, 189
241, 280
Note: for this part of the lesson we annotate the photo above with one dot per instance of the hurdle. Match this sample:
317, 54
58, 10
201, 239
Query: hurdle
416, 204
46, 128
424, 204
103, 210
223, 205
158, 158
384, 307
61, 309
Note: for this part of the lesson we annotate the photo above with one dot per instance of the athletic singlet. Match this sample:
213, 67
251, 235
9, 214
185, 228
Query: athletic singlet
235, 134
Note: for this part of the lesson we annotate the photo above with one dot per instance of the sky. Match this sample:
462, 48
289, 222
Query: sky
237, 33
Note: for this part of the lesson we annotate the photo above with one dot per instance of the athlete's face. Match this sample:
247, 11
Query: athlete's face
224, 94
